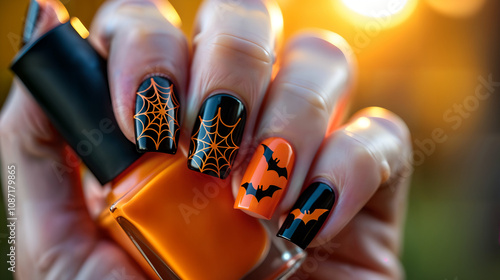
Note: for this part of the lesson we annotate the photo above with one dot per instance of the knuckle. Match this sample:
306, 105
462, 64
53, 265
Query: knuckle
314, 97
141, 34
360, 151
378, 140
225, 42
136, 19
136, 34
392, 124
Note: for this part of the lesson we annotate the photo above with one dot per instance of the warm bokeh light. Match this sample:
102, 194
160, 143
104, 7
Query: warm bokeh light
79, 27
456, 8
363, 122
387, 13
276, 17
376, 8
359, 124
422, 60
170, 13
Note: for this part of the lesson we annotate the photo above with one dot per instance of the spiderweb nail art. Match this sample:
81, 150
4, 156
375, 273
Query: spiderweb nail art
212, 150
158, 115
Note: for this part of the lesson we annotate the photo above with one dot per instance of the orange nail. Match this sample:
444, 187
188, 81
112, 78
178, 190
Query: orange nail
266, 178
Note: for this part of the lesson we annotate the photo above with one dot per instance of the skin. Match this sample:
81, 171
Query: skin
365, 159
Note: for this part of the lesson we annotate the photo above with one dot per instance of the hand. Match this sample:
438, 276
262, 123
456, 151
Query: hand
234, 50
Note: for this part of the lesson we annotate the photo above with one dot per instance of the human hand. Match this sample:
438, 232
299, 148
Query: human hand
234, 50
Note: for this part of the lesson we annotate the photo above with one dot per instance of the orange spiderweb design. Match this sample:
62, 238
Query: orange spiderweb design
213, 151
158, 114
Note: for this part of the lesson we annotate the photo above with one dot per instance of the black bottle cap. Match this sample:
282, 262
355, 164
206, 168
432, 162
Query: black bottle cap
68, 78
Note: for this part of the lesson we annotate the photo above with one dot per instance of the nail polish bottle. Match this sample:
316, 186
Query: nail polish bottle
177, 223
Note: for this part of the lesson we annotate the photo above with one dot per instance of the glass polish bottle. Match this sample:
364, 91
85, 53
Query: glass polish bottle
176, 223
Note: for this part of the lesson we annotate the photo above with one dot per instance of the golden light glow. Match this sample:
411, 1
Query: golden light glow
359, 124
79, 27
276, 17
376, 8
363, 122
457, 8
382, 13
377, 112
169, 12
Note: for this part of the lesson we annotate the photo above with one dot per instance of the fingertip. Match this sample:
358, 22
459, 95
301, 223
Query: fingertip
266, 178
309, 213
42, 16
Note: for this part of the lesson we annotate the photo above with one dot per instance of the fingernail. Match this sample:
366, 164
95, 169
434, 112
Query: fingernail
217, 135
156, 116
266, 178
308, 214
30, 21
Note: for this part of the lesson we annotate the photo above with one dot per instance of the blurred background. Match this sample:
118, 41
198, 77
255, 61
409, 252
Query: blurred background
433, 62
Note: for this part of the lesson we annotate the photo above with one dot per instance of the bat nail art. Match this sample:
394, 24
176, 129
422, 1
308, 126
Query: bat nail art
269, 169
308, 214
217, 135
272, 163
259, 193
156, 116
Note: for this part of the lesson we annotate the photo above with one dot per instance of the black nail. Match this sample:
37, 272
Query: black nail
217, 135
31, 20
156, 116
308, 214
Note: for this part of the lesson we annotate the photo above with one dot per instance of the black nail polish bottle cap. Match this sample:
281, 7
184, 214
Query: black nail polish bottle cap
68, 78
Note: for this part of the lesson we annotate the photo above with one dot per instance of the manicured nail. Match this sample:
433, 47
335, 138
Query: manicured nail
266, 178
217, 135
308, 214
156, 116
30, 21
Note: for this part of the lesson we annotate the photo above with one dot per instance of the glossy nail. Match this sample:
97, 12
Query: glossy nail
308, 214
266, 178
156, 116
30, 21
217, 135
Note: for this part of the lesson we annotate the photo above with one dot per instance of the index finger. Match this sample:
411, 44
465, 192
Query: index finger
148, 62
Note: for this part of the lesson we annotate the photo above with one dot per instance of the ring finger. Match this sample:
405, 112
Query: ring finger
313, 77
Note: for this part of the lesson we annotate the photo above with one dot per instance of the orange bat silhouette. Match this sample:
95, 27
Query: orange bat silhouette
308, 216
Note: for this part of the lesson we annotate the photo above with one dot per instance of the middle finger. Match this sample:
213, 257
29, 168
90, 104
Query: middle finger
234, 46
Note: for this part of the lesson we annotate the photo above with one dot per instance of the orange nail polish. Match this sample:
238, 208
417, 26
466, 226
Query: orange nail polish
266, 178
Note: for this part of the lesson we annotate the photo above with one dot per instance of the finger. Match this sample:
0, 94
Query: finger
42, 16
314, 74
147, 65
351, 165
234, 47
54, 232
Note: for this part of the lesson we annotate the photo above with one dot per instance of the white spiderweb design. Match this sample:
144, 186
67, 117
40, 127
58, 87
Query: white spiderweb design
213, 151
158, 115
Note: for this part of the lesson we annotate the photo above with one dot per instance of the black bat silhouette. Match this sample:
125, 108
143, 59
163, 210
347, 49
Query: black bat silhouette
272, 163
259, 193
